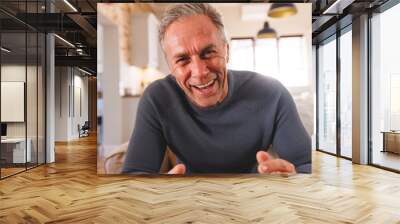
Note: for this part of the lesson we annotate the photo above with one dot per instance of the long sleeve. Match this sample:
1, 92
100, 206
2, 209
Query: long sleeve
147, 145
290, 140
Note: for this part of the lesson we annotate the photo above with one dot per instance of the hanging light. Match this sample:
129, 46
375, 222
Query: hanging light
65, 41
266, 32
5, 49
84, 71
280, 10
70, 5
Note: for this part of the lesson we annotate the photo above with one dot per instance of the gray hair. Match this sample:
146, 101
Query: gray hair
175, 12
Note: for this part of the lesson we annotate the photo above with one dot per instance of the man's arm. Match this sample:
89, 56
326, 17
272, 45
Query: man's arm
146, 147
290, 140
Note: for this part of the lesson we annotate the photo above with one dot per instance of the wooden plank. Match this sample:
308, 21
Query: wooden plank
70, 191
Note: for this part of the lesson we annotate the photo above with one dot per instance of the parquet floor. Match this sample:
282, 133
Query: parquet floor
70, 191
9, 171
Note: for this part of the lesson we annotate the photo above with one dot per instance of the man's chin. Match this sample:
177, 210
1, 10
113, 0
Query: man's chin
205, 103
205, 100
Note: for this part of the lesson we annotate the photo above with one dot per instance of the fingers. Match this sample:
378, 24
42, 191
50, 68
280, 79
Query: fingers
262, 156
276, 166
266, 164
178, 169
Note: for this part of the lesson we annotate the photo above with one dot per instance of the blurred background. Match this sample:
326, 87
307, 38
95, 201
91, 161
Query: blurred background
271, 39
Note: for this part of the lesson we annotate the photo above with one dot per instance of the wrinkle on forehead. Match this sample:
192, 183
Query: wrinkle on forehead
188, 35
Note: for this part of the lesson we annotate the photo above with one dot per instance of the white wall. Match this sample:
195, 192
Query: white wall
110, 105
67, 81
80, 83
118, 113
17, 73
61, 103
129, 111
33, 126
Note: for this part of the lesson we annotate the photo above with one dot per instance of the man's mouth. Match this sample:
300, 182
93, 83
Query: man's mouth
207, 89
206, 85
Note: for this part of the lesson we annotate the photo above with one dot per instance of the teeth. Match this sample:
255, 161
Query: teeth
205, 85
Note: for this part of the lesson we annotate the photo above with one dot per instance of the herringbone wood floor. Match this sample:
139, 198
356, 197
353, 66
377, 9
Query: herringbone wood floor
70, 191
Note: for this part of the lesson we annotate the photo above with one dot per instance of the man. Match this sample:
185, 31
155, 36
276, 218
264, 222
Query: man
215, 120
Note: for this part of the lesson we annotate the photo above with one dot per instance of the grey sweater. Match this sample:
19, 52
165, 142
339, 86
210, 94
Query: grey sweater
257, 112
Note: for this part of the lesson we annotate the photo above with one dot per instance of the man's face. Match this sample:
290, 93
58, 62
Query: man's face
197, 57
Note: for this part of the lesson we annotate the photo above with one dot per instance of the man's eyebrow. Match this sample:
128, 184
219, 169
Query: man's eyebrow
207, 48
180, 55
202, 51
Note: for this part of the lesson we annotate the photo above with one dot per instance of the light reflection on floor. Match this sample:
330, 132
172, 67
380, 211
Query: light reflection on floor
387, 159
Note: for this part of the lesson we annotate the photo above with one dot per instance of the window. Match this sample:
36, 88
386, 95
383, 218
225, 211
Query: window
266, 61
335, 74
22, 66
394, 102
327, 96
385, 88
292, 62
242, 54
346, 93
283, 58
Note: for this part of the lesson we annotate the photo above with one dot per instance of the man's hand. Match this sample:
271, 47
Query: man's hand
178, 169
268, 165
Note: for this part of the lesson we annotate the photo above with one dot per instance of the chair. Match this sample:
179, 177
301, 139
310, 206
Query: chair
115, 160
84, 130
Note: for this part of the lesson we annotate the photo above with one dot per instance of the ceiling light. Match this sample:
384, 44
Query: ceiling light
331, 7
65, 41
70, 5
266, 32
281, 10
5, 50
84, 71
337, 7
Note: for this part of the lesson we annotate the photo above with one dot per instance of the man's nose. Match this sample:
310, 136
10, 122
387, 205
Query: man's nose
199, 68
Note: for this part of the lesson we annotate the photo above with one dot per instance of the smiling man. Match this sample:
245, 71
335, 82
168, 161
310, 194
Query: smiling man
215, 120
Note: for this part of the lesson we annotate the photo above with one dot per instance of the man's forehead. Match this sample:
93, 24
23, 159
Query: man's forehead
181, 51
199, 20
195, 32
190, 26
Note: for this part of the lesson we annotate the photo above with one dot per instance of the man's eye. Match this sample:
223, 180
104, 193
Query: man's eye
181, 61
208, 54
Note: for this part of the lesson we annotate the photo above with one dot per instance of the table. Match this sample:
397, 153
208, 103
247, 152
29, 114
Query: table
391, 141
13, 150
